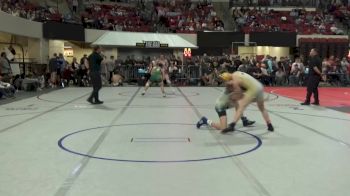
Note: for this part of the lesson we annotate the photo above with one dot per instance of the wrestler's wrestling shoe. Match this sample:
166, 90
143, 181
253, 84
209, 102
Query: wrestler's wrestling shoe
230, 128
246, 122
201, 122
270, 127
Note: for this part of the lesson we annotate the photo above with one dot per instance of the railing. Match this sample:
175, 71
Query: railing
190, 75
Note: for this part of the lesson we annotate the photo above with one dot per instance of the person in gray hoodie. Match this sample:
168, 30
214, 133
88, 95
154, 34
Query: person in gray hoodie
5, 68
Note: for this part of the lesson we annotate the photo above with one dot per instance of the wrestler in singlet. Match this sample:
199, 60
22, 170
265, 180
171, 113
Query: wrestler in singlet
253, 92
156, 75
252, 88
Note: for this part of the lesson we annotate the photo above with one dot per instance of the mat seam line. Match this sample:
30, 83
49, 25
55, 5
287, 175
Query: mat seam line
73, 176
41, 114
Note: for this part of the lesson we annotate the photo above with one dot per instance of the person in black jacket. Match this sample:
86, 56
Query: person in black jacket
95, 60
315, 76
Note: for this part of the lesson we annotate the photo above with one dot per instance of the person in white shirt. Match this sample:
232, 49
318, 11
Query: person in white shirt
297, 65
110, 68
296, 72
75, 5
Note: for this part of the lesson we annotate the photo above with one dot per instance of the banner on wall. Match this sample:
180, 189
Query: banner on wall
152, 44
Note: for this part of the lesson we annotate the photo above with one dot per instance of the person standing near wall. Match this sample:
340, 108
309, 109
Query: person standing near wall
5, 68
53, 63
315, 76
75, 4
83, 60
95, 60
110, 68
61, 64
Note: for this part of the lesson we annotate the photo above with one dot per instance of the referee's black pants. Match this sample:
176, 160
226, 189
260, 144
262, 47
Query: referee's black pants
96, 82
312, 88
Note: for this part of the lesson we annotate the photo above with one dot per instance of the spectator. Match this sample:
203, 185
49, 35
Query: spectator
75, 5
256, 71
280, 76
6, 89
345, 69
208, 74
243, 67
68, 75
83, 60
265, 76
297, 70
104, 71
294, 77
5, 68
231, 67
53, 64
111, 65
75, 64
61, 64
82, 76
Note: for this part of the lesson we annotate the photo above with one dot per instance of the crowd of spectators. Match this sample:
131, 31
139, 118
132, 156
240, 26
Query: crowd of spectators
26, 9
254, 15
273, 72
297, 20
163, 16
114, 17
185, 16
168, 16
204, 69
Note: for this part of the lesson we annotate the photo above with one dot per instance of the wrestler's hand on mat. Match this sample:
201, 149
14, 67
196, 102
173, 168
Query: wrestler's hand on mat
230, 128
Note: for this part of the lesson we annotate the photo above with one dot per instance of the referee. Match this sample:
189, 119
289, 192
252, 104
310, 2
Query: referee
95, 60
315, 75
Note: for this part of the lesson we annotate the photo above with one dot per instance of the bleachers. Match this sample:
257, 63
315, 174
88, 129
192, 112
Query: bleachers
176, 16
107, 17
299, 21
31, 11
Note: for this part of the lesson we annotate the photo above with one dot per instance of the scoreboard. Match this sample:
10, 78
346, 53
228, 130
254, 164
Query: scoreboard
151, 44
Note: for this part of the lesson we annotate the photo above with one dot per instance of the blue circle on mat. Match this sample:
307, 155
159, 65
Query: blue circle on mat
60, 144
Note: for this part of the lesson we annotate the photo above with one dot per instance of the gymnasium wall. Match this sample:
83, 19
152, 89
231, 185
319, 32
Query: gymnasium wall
278, 52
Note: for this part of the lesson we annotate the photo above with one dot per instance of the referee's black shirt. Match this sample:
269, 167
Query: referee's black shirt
95, 60
315, 61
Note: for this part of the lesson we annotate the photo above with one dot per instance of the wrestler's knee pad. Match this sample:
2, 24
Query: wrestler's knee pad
220, 110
